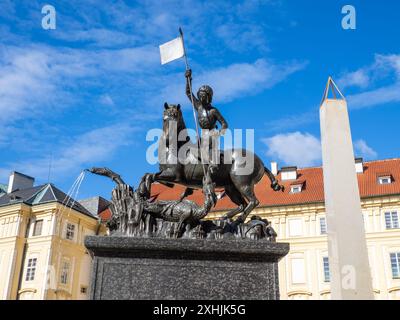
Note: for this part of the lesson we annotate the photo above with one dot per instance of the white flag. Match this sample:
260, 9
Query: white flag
171, 50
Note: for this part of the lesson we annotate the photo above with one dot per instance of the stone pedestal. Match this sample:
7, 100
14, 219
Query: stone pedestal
128, 268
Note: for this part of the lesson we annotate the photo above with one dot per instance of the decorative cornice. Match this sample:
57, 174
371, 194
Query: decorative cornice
33, 290
296, 292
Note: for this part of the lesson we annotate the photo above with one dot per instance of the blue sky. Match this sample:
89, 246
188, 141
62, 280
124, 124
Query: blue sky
87, 92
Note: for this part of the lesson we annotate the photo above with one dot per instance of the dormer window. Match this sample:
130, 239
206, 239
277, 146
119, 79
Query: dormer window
296, 188
385, 179
14, 197
288, 173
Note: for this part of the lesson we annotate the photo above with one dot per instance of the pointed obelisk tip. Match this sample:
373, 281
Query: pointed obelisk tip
331, 86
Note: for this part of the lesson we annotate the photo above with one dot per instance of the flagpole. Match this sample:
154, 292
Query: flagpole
191, 98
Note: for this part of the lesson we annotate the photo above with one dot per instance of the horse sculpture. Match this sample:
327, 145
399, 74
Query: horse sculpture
238, 187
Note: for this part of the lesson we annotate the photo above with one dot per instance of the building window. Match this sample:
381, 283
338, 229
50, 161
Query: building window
83, 290
327, 274
385, 180
298, 271
64, 272
322, 225
296, 188
70, 231
31, 269
395, 263
295, 227
391, 220
37, 230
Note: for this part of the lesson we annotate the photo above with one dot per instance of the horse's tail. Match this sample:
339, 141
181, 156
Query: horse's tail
274, 181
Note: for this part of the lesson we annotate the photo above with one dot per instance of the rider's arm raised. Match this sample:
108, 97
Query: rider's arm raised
189, 93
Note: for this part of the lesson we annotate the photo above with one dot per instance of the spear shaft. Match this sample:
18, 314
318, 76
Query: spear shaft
193, 107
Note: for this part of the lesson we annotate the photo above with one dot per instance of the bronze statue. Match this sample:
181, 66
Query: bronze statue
132, 208
134, 214
186, 213
202, 166
208, 117
126, 204
258, 228
132, 211
238, 187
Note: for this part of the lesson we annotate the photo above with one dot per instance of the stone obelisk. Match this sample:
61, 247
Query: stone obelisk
348, 255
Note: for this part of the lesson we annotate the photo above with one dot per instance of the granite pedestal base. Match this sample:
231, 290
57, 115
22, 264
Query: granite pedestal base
165, 269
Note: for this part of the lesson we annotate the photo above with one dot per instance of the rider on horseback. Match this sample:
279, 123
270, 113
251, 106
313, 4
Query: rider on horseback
208, 117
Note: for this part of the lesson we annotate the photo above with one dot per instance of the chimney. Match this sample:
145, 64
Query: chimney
274, 168
19, 181
359, 165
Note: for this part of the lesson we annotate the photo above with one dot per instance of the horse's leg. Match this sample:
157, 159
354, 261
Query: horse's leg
236, 198
248, 192
244, 183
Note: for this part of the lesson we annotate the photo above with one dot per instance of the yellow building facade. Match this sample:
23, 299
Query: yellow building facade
299, 219
302, 274
42, 253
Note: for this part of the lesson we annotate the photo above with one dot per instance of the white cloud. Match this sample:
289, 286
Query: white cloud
233, 81
119, 23
304, 149
36, 79
293, 121
388, 63
25, 81
357, 78
237, 80
41, 79
385, 67
241, 38
296, 148
99, 37
112, 48
90, 148
375, 97
362, 149
106, 100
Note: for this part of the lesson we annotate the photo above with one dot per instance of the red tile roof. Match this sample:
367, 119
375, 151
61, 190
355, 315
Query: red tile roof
313, 189
105, 215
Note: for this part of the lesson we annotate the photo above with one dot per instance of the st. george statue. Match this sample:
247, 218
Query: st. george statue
208, 116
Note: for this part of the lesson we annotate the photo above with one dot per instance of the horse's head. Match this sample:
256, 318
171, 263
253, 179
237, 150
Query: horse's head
174, 125
172, 112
